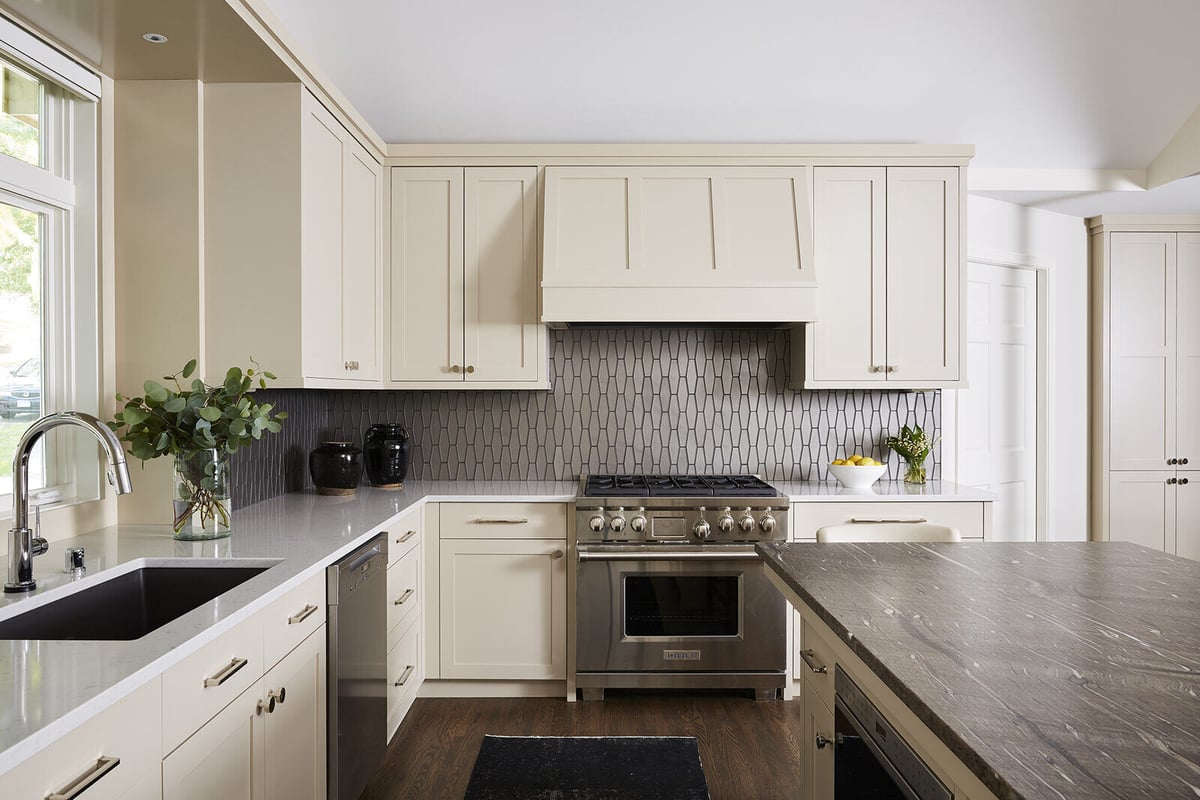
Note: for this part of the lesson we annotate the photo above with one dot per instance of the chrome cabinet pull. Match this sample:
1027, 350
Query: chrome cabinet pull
226, 672
501, 521
881, 520
402, 599
406, 537
302, 614
103, 766
807, 657
403, 679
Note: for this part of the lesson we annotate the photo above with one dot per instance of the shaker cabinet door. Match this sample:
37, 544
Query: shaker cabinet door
361, 267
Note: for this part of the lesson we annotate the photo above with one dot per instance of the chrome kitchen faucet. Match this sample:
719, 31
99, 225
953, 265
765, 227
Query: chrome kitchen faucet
24, 545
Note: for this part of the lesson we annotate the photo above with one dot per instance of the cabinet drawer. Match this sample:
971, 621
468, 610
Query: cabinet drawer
291, 618
403, 592
404, 533
198, 687
504, 521
404, 674
117, 751
964, 516
815, 659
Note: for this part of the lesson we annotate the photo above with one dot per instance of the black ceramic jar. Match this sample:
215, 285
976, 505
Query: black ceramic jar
335, 468
386, 450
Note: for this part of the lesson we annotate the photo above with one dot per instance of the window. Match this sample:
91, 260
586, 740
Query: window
49, 300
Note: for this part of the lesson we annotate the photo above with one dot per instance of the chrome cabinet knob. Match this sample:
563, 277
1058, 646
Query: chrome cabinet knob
1172, 481
893, 369
1183, 461
746, 522
456, 369
596, 523
1183, 481
1172, 461
876, 368
470, 368
767, 523
279, 696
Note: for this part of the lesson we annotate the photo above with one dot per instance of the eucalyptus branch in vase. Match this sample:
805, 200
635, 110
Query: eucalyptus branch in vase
201, 426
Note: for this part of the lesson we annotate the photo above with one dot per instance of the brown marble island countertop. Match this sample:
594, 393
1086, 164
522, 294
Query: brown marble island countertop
1051, 670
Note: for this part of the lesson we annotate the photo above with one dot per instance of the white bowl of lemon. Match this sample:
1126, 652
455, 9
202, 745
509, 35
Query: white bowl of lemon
857, 472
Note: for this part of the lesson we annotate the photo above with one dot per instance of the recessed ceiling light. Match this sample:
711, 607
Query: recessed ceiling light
156, 38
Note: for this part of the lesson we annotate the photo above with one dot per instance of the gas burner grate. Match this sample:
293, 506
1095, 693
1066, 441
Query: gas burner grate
677, 486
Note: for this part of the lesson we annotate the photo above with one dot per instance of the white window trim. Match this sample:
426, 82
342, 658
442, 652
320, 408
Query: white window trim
50, 63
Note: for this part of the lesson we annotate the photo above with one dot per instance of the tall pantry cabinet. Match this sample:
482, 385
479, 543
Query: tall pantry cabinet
1145, 477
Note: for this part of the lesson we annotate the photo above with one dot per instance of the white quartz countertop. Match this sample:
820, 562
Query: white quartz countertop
888, 491
50, 687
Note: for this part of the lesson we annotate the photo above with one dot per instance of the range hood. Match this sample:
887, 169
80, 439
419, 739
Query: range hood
677, 245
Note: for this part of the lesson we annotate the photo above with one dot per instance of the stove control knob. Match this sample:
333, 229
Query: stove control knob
638, 524
725, 521
767, 523
702, 530
596, 523
746, 522
617, 523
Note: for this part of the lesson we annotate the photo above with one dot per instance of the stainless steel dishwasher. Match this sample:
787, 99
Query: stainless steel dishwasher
357, 631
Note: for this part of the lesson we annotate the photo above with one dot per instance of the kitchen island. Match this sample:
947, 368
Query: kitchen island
1062, 669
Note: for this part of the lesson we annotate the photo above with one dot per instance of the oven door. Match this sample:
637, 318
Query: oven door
677, 609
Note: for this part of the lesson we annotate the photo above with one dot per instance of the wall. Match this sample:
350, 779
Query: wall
623, 400
1056, 243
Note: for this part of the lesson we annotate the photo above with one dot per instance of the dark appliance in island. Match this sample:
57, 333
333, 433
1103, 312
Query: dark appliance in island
669, 590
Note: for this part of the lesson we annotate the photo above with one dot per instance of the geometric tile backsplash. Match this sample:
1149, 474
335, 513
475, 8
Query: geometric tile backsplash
622, 400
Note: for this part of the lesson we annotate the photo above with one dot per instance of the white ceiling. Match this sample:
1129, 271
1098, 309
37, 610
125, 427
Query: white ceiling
1062, 84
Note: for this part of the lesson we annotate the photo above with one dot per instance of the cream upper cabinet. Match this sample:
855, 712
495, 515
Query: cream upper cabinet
887, 242
677, 244
464, 301
1145, 369
292, 234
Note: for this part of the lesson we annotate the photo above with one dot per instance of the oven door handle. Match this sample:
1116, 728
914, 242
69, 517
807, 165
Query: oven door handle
698, 555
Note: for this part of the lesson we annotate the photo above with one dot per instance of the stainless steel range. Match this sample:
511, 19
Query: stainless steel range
669, 591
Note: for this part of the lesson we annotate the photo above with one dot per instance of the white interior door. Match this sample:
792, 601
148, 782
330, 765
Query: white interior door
997, 441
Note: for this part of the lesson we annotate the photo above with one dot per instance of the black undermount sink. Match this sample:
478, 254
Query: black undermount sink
128, 606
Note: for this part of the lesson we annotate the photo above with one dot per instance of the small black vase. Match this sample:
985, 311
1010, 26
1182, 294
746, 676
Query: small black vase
386, 450
335, 468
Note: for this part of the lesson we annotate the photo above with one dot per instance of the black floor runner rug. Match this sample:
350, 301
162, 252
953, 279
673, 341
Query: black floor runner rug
588, 768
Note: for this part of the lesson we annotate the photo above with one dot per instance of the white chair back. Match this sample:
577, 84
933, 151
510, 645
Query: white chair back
888, 532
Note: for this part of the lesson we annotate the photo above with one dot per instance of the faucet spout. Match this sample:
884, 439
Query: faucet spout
23, 546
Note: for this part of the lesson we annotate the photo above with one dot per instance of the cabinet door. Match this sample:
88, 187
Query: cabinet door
1141, 508
1142, 390
924, 266
503, 608
222, 759
361, 277
817, 753
848, 240
322, 179
1187, 346
426, 318
295, 732
1187, 516
503, 339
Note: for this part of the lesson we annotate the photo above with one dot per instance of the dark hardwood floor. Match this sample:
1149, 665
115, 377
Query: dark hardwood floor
749, 749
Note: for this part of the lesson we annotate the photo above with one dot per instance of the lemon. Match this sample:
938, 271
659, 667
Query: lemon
837, 462
856, 458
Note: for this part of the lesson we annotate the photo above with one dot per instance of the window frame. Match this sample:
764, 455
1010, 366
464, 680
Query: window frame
65, 192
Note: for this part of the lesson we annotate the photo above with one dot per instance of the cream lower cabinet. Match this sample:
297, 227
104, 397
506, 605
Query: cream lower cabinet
1158, 509
817, 746
268, 744
464, 279
889, 244
113, 756
405, 616
501, 603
